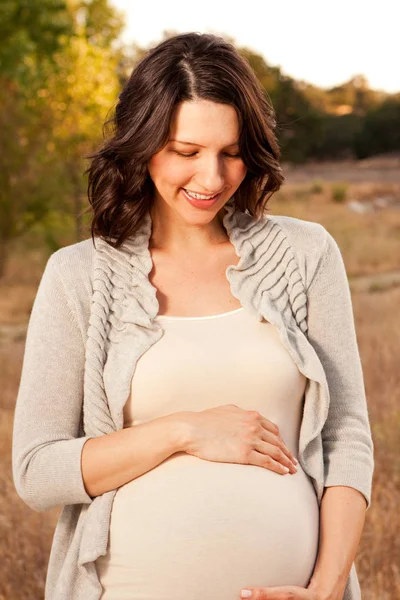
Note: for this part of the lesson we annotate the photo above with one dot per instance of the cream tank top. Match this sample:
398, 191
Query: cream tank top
191, 529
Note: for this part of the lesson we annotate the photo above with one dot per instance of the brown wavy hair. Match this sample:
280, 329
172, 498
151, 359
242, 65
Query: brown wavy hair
188, 66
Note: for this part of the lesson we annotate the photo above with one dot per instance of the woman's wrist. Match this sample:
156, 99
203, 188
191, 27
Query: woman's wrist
324, 593
181, 430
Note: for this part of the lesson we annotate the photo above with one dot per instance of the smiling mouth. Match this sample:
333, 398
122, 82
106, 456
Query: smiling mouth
206, 196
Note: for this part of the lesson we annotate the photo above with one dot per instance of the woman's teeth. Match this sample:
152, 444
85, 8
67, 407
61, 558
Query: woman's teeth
199, 196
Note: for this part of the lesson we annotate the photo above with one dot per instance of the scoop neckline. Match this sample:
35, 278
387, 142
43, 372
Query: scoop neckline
176, 318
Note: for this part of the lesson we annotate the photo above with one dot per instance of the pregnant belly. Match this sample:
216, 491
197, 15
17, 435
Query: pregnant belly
191, 529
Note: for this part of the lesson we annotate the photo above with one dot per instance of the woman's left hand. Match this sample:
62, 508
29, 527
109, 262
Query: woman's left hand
285, 592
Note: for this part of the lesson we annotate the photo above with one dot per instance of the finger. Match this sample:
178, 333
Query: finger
274, 429
286, 592
276, 453
263, 460
280, 444
269, 425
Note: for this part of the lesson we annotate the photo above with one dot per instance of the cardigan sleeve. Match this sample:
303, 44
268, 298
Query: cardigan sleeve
346, 435
46, 449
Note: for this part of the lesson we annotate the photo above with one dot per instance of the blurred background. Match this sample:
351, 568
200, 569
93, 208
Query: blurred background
331, 71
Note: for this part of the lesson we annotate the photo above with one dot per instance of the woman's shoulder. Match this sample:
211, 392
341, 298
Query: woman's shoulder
304, 234
73, 262
309, 241
74, 256
71, 268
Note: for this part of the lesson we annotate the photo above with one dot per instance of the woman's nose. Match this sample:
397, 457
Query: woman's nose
211, 176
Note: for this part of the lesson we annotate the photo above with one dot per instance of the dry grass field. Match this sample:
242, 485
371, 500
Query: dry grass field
370, 243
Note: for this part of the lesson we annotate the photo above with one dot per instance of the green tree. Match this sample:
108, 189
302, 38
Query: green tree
298, 121
29, 34
57, 86
80, 102
381, 129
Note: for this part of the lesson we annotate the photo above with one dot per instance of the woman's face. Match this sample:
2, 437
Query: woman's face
202, 155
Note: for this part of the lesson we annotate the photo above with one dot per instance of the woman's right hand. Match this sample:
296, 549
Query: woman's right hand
229, 433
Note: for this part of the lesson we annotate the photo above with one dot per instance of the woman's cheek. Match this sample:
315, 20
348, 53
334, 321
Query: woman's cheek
179, 171
238, 173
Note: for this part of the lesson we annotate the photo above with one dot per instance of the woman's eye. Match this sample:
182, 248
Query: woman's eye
193, 154
185, 155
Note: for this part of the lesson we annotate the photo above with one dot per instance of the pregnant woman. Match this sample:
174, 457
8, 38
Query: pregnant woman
192, 391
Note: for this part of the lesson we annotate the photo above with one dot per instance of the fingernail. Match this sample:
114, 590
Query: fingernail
295, 461
245, 594
287, 471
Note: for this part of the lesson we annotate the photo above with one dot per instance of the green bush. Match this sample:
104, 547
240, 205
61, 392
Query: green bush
317, 187
339, 192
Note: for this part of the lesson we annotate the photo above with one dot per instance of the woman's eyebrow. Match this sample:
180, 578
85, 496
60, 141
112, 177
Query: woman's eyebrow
194, 144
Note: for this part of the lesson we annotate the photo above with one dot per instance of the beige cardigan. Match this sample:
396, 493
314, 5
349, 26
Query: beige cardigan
93, 318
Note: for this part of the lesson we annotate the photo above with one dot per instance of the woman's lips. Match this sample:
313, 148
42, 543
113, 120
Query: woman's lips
201, 203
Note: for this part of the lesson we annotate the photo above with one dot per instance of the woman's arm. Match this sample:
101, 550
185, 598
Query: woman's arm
112, 460
342, 516
52, 465
346, 435
46, 449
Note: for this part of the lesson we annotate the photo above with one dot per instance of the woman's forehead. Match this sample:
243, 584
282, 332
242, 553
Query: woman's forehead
204, 122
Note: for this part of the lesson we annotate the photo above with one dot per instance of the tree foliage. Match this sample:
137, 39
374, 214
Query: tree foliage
56, 90
30, 32
380, 132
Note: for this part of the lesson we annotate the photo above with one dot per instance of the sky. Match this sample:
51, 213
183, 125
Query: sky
320, 42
